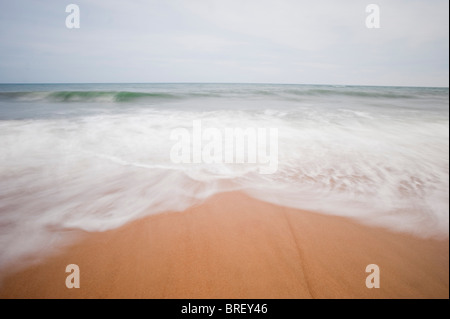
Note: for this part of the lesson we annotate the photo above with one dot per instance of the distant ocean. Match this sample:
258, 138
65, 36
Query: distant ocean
95, 156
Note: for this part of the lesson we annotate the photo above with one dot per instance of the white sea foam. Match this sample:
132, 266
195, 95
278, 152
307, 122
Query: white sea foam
383, 166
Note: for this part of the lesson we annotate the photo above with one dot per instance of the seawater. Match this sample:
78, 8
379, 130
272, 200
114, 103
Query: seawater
95, 156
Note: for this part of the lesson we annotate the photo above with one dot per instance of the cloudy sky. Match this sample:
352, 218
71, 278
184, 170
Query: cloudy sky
258, 41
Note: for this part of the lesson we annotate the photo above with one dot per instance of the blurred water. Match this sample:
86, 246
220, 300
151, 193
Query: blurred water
94, 156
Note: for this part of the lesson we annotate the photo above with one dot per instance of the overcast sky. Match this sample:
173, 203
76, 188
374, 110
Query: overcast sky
258, 41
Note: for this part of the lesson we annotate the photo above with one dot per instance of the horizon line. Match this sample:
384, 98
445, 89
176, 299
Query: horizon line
229, 83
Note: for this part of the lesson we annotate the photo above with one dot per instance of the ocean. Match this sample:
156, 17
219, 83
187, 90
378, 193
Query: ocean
96, 156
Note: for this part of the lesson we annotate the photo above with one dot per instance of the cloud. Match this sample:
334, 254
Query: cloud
286, 41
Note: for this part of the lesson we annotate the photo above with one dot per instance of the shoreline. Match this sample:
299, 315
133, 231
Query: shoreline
233, 246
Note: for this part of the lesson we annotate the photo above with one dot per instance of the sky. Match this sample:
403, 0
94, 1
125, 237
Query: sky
237, 41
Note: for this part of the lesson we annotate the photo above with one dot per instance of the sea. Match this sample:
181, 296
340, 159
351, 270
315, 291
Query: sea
93, 157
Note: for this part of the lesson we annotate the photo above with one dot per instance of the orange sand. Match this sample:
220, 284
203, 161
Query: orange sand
233, 246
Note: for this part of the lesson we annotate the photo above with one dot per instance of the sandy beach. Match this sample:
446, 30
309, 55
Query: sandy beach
233, 246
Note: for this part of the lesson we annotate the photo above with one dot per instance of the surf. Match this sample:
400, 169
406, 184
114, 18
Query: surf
87, 160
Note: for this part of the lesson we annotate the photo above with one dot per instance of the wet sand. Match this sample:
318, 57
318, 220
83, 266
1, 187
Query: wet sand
233, 246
